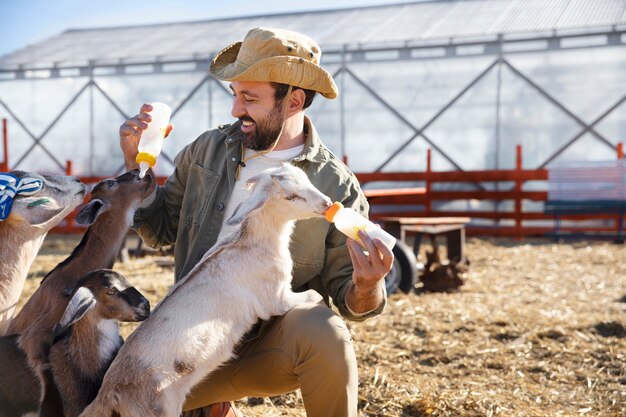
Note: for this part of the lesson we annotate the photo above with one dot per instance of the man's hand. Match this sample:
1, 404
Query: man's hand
366, 292
130, 133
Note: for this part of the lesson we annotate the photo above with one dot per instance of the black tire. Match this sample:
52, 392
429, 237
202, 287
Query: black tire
403, 274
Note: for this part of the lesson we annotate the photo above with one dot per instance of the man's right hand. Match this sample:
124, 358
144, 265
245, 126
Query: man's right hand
130, 133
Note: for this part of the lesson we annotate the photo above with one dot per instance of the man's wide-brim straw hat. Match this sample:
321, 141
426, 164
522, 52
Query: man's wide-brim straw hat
275, 55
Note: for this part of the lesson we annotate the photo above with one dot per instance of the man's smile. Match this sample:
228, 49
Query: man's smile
247, 126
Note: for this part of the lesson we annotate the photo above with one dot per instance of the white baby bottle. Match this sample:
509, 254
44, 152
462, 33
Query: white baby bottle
349, 222
152, 138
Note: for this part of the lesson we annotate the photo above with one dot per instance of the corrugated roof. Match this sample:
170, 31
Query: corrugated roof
406, 22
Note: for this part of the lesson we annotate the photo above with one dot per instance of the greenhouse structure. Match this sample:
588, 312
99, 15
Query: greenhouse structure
468, 79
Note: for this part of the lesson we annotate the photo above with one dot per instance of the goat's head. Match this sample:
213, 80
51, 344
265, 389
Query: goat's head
121, 193
291, 191
46, 207
109, 295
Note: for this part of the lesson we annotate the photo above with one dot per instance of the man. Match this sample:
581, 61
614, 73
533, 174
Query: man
274, 76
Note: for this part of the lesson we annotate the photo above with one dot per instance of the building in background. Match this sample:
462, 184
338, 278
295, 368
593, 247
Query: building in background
469, 79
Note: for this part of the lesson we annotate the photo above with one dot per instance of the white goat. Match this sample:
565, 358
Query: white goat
194, 328
24, 230
85, 342
111, 208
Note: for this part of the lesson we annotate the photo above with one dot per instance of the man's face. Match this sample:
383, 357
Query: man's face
261, 116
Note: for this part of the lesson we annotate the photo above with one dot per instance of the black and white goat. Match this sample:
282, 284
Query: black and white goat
84, 343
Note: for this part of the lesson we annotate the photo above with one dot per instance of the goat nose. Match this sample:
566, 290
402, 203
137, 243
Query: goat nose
145, 304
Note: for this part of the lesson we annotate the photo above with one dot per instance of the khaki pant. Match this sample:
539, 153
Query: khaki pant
308, 348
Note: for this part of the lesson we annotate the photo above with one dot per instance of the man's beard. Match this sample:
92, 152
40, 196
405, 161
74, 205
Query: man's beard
267, 129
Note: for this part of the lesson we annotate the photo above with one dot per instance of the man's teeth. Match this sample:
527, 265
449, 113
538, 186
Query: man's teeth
248, 124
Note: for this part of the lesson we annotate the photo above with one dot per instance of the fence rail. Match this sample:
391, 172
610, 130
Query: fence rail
402, 202
518, 222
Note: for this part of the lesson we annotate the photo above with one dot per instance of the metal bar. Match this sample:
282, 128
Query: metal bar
582, 132
224, 89
402, 118
111, 101
507, 175
191, 93
543, 43
209, 87
519, 166
54, 122
180, 105
91, 127
432, 120
498, 105
556, 102
342, 107
17, 120
498, 127
122, 169
4, 166
429, 183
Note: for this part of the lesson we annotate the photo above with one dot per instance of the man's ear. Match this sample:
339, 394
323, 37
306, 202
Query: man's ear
296, 101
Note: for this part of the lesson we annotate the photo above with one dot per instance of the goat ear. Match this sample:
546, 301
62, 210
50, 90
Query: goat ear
37, 211
254, 202
278, 177
81, 302
255, 179
89, 213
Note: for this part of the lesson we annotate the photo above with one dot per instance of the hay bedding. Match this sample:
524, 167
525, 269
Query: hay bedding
538, 330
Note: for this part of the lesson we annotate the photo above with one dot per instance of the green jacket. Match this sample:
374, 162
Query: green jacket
189, 211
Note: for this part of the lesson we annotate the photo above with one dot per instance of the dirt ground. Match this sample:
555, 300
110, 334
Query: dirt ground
539, 329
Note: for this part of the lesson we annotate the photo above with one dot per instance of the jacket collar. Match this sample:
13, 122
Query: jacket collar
313, 149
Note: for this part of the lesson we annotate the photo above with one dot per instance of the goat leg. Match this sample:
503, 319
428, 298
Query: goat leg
294, 299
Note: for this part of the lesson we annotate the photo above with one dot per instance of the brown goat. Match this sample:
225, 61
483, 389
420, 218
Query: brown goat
84, 344
110, 210
439, 277
24, 230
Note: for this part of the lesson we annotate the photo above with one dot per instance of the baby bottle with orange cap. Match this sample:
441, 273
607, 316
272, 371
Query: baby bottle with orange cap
349, 222
152, 138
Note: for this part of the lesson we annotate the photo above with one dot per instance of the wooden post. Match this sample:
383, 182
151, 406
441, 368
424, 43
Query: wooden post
620, 150
4, 166
429, 204
518, 192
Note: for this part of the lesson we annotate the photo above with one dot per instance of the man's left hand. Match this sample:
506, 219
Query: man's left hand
369, 273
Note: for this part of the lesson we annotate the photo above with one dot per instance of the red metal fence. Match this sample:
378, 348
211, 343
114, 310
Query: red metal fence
401, 202
4, 165
518, 222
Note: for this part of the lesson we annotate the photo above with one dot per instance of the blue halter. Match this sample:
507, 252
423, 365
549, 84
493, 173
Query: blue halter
10, 186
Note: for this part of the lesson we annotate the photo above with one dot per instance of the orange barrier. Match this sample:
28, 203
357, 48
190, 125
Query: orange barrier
4, 165
518, 222
396, 198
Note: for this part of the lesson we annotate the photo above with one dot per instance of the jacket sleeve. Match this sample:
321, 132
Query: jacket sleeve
157, 224
337, 272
